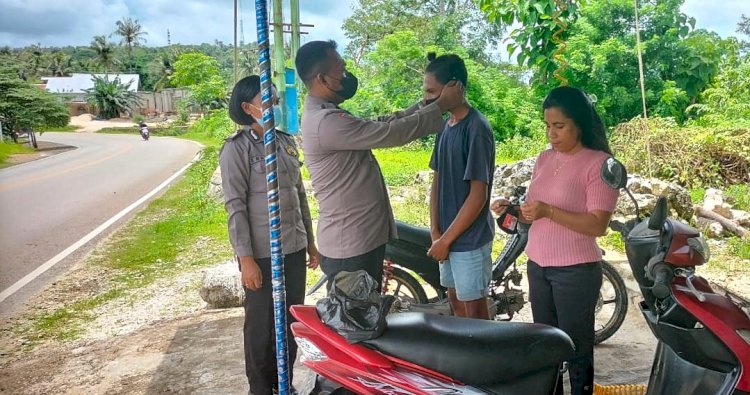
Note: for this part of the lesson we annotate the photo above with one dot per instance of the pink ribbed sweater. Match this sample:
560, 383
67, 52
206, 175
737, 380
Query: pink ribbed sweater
577, 188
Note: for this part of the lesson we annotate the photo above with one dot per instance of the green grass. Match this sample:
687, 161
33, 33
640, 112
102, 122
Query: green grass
170, 131
66, 128
8, 149
739, 196
400, 165
613, 241
739, 247
697, 195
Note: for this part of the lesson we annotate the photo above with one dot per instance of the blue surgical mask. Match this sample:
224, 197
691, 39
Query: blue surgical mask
276, 115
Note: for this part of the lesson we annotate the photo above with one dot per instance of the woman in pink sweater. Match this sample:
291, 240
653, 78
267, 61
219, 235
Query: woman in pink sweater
568, 206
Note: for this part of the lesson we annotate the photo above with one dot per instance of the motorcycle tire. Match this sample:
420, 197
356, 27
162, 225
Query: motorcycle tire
620, 302
403, 279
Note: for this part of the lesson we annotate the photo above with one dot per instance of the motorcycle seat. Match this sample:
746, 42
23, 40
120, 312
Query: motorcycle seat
414, 234
476, 352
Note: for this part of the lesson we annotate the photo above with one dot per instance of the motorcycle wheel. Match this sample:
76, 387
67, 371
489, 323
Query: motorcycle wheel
612, 304
404, 286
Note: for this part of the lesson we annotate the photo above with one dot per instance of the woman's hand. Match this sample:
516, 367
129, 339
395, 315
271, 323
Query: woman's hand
499, 206
251, 276
531, 211
313, 256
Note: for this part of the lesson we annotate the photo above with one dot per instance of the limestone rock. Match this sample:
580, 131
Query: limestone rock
215, 191
221, 286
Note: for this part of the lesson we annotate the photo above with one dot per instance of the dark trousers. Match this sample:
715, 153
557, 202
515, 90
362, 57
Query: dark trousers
259, 331
371, 262
566, 297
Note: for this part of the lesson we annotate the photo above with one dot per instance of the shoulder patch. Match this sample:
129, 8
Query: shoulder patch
233, 135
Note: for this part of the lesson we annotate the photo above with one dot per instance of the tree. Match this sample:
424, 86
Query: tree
132, 35
26, 106
160, 71
111, 97
539, 20
192, 68
60, 65
104, 51
445, 23
200, 73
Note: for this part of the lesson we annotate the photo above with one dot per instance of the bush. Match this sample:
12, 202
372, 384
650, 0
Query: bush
691, 156
216, 125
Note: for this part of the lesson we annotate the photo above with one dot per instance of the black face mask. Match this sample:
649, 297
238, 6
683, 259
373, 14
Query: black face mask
430, 101
349, 85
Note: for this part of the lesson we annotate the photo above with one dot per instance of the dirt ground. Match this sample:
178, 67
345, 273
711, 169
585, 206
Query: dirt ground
87, 124
164, 340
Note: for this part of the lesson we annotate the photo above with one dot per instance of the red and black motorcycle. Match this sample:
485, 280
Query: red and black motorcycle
703, 348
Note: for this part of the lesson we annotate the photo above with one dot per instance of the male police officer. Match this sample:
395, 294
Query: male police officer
356, 219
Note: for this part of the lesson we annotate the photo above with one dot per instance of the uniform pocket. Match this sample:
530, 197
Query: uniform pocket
258, 164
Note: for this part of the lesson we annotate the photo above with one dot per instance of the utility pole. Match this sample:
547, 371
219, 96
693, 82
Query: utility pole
235, 42
295, 27
279, 65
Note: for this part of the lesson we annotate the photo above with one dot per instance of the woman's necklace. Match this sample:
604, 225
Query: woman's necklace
558, 164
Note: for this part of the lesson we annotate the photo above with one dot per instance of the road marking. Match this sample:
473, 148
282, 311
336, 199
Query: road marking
78, 244
29, 180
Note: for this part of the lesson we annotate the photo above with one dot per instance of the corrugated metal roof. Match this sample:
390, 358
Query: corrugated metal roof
78, 82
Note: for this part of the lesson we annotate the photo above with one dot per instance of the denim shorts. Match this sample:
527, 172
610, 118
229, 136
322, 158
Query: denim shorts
468, 272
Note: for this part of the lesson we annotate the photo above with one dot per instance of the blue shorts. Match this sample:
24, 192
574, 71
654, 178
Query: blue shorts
468, 272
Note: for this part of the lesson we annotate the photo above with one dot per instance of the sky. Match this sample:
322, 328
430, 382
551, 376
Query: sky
76, 22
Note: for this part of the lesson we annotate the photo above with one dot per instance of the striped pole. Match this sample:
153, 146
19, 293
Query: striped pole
277, 258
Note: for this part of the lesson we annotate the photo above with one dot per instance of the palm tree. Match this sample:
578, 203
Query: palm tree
161, 69
132, 35
105, 53
111, 97
60, 65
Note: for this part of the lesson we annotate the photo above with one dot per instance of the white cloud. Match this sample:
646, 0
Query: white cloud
721, 17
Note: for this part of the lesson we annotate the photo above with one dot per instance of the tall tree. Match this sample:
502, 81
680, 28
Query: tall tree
132, 34
105, 53
60, 65
24, 105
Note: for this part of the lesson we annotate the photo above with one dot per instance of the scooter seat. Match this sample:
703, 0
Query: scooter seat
414, 234
476, 352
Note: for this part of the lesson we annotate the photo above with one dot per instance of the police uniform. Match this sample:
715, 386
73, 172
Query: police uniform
356, 219
242, 162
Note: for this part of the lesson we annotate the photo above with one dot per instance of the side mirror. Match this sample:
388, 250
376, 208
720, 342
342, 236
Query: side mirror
613, 173
656, 222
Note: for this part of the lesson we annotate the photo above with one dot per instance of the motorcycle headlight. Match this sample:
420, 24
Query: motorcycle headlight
699, 245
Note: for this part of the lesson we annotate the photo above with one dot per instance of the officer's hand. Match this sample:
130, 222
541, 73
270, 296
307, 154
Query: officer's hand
313, 255
451, 96
251, 278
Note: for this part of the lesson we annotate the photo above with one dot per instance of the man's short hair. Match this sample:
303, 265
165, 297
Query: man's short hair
311, 59
447, 67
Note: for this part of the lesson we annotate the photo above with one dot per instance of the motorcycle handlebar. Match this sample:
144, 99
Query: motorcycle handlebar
662, 281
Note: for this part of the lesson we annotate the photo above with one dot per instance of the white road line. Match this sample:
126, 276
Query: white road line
59, 257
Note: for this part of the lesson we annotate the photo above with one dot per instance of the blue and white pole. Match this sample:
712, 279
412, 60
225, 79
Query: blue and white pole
274, 220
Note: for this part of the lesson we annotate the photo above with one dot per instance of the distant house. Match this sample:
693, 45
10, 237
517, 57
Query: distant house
73, 89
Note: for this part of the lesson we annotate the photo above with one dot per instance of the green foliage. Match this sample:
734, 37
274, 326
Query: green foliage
211, 93
739, 247
105, 53
131, 33
739, 196
691, 156
521, 147
10, 148
111, 97
216, 125
697, 194
533, 39
26, 106
400, 165
192, 68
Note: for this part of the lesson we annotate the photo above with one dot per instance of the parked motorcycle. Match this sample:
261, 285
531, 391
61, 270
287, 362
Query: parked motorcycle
144, 131
703, 348
704, 334
406, 263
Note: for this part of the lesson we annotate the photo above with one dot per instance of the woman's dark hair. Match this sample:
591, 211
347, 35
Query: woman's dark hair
575, 104
446, 68
244, 91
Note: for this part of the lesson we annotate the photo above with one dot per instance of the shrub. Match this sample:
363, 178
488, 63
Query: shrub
691, 156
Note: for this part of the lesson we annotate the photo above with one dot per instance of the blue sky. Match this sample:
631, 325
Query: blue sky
75, 22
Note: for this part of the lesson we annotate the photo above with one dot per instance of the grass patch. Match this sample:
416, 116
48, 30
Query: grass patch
170, 131
8, 149
739, 247
400, 165
613, 241
697, 195
66, 128
739, 196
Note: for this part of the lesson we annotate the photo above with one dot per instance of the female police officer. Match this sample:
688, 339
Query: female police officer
244, 183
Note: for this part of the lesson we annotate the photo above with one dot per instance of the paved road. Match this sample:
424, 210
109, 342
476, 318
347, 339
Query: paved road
49, 204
